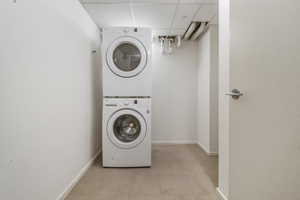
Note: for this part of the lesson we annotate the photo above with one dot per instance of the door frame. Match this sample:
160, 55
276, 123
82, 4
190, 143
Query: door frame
224, 101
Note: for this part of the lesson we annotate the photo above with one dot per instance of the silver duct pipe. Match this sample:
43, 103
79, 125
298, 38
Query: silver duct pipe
199, 31
178, 41
190, 31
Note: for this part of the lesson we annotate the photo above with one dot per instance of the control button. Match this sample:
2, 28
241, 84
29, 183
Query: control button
125, 31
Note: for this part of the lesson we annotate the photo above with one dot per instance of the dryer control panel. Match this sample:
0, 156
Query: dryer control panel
128, 102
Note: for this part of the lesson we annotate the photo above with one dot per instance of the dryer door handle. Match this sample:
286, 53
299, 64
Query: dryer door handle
111, 105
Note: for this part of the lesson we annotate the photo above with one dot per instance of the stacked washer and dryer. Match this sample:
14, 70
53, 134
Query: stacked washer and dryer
127, 85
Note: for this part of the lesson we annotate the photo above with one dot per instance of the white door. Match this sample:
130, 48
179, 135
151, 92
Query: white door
260, 147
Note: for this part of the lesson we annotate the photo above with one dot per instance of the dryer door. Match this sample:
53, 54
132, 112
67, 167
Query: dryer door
126, 128
126, 57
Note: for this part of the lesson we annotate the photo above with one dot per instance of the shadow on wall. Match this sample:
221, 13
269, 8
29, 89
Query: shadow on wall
97, 97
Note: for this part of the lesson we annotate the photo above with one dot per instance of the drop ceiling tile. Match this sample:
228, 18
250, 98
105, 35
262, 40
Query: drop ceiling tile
184, 15
154, 15
110, 14
199, 1
154, 1
206, 12
149, 1
104, 1
190, 1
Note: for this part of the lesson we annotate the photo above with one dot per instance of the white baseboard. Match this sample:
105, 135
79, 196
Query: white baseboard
207, 151
174, 142
76, 179
221, 195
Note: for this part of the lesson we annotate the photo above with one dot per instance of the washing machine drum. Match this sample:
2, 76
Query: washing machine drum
126, 57
126, 128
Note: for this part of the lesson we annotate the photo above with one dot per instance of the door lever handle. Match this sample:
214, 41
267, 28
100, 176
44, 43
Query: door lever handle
235, 94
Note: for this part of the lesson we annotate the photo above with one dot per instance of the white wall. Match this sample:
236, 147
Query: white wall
49, 94
207, 91
203, 104
174, 96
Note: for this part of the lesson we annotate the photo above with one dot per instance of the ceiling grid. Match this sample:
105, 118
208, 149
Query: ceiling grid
173, 19
163, 16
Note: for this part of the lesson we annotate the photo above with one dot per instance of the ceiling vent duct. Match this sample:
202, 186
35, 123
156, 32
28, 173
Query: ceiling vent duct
191, 29
195, 30
169, 42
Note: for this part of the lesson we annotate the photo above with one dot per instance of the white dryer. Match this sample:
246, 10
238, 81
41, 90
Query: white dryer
126, 55
126, 135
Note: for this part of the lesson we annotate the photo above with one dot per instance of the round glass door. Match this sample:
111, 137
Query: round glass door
126, 128
126, 57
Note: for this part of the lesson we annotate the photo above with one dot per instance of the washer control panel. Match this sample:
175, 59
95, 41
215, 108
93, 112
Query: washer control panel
130, 102
127, 102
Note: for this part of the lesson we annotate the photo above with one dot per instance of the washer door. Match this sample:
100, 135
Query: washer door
126, 128
126, 57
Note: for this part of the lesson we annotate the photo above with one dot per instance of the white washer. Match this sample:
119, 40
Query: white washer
126, 56
126, 135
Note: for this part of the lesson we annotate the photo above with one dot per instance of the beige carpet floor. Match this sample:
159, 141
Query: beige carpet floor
179, 172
